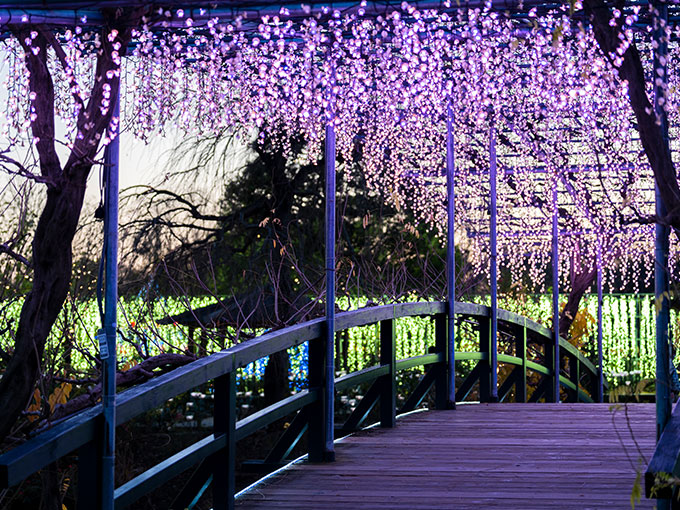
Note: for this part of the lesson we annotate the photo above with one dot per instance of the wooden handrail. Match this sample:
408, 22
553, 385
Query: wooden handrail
81, 430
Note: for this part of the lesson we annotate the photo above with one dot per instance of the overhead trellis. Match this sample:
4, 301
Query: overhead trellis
518, 93
530, 74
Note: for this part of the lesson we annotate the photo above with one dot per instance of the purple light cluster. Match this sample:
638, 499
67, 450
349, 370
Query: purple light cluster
561, 115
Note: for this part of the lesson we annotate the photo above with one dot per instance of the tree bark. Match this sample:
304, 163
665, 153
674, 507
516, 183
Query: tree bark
276, 378
579, 285
135, 375
52, 260
52, 243
652, 137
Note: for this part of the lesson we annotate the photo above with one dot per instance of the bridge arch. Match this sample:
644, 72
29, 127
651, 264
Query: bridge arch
79, 433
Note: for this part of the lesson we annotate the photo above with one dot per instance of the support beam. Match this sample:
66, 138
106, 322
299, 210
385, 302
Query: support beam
329, 386
476, 374
450, 255
365, 406
600, 358
493, 269
428, 379
289, 438
555, 394
107, 337
661, 283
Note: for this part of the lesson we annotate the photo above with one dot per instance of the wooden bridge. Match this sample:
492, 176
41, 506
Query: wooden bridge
476, 455
523, 456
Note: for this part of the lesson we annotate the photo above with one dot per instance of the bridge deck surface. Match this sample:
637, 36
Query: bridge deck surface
521, 456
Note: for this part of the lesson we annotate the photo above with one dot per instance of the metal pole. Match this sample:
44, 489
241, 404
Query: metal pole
450, 255
493, 348
600, 367
329, 388
107, 350
556, 299
661, 284
661, 292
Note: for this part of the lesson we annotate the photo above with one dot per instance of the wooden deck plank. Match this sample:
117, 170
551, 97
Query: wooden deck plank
523, 456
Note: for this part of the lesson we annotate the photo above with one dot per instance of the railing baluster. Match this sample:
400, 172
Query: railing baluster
224, 464
485, 366
388, 385
575, 374
521, 350
317, 431
550, 365
596, 390
441, 383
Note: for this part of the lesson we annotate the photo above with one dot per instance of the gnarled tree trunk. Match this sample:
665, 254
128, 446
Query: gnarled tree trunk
609, 38
52, 250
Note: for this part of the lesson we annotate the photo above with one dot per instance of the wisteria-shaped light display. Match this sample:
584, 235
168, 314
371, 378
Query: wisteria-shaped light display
538, 84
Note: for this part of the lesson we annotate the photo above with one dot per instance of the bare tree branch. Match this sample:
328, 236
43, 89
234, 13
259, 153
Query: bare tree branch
145, 370
63, 60
42, 99
4, 248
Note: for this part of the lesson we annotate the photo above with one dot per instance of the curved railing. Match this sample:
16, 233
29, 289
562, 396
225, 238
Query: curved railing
214, 454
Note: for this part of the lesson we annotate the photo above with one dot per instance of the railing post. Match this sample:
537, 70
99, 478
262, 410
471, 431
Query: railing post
388, 390
575, 374
550, 365
317, 429
485, 348
521, 352
450, 257
441, 383
224, 463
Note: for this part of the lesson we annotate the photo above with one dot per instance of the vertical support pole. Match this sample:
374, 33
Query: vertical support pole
555, 394
600, 357
661, 284
388, 390
108, 340
329, 387
450, 256
493, 269
224, 463
661, 241
441, 383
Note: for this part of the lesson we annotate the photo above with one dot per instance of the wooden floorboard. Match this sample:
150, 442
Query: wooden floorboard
511, 456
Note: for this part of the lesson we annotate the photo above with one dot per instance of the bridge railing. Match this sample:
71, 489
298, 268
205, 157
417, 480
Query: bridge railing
214, 455
663, 471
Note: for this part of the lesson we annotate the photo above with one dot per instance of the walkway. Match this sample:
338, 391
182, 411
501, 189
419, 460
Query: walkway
510, 456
